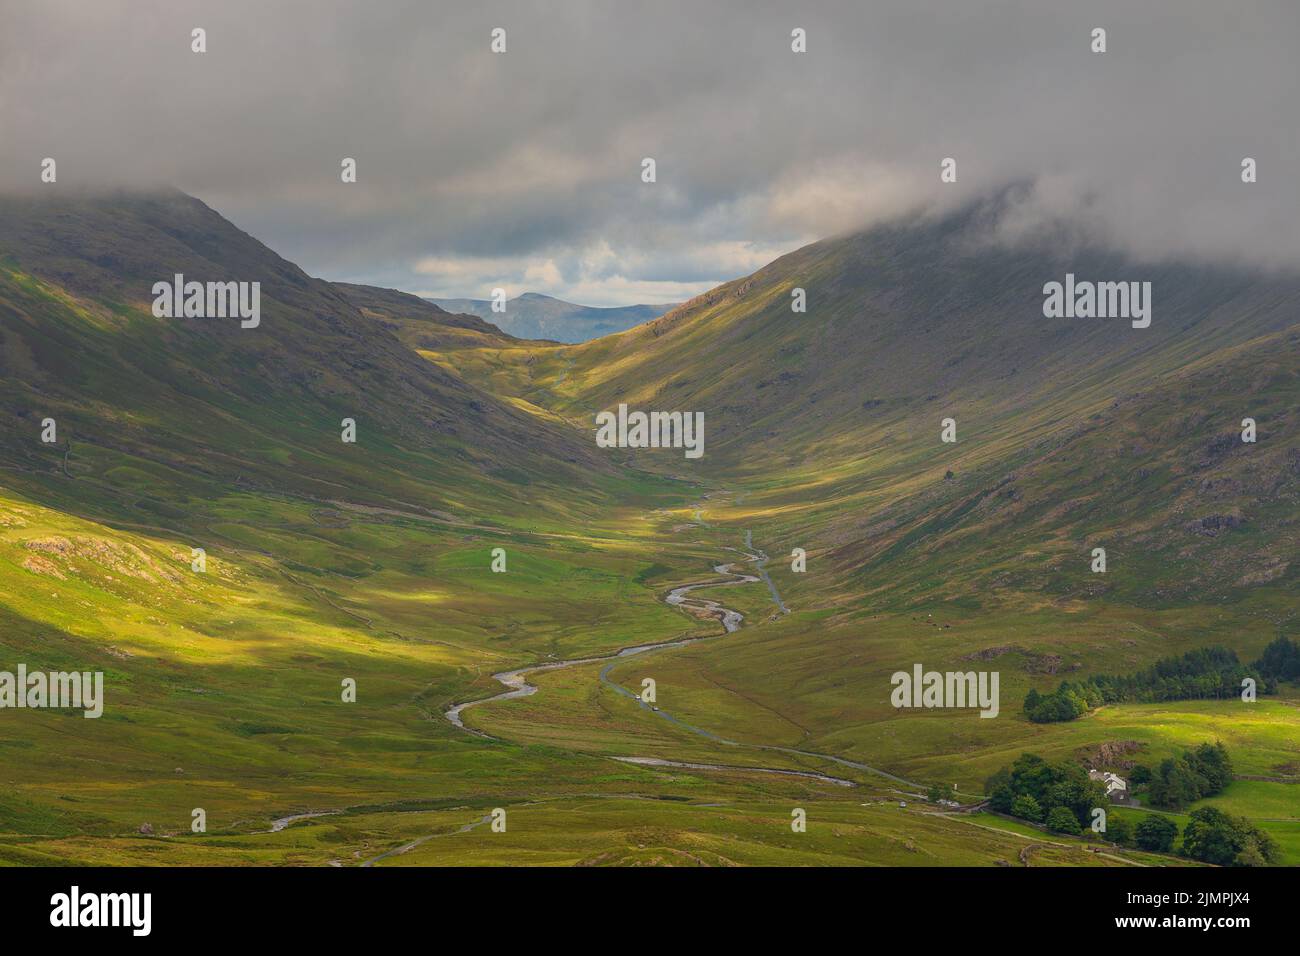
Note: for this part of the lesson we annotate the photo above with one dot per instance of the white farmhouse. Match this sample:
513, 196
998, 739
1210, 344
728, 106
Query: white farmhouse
1116, 786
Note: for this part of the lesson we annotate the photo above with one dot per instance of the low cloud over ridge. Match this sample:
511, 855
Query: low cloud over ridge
523, 170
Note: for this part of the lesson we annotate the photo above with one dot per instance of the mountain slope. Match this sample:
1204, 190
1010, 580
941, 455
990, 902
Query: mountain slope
536, 316
927, 317
210, 402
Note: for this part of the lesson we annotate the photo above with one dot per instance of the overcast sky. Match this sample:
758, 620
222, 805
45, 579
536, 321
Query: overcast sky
523, 170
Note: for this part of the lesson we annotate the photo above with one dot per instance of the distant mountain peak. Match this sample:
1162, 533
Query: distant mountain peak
535, 315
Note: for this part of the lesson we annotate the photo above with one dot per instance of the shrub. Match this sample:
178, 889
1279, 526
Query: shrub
1119, 830
1062, 820
1027, 808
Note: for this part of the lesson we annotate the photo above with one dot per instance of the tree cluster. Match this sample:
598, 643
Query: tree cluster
1280, 661
1182, 780
1205, 673
1213, 836
1035, 790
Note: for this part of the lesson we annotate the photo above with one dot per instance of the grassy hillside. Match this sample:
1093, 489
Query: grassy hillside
909, 324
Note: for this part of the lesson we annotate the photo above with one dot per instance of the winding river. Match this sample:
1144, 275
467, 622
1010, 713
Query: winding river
517, 684
516, 681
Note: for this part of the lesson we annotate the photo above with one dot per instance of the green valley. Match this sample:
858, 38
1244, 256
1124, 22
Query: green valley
371, 562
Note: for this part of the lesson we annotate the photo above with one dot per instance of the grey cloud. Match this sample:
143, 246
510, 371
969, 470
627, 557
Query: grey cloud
535, 156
